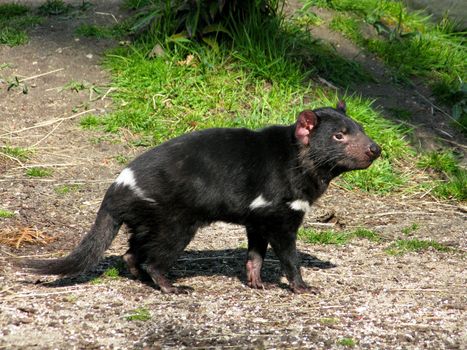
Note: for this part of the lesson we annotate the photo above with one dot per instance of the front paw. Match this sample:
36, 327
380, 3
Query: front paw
303, 288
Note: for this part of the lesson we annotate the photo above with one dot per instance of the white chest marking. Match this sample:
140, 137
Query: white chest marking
259, 202
127, 178
299, 205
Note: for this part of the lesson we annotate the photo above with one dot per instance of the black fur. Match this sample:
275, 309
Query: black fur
215, 175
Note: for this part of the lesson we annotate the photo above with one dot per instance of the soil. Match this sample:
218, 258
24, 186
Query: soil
411, 301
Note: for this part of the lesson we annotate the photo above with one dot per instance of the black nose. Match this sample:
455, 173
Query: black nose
374, 151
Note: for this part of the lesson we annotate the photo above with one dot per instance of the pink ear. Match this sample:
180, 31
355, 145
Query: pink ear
306, 121
341, 106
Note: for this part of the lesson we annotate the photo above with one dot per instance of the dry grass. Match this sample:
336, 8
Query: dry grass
18, 236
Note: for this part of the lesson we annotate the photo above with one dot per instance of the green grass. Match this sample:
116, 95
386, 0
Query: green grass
122, 159
314, 236
112, 273
323, 237
139, 314
366, 234
66, 189
76, 86
93, 31
450, 177
411, 44
54, 7
403, 246
329, 321
39, 172
134, 4
347, 342
409, 230
5, 214
13, 37
90, 121
19, 153
15, 20
12, 10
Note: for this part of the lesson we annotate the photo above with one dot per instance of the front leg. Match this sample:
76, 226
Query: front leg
257, 246
284, 245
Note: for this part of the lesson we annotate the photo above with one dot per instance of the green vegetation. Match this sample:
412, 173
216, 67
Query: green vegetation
90, 121
5, 214
348, 342
15, 20
70, 298
139, 314
54, 7
411, 44
329, 321
366, 234
453, 178
112, 273
403, 246
12, 10
122, 159
313, 236
93, 31
323, 237
65, 189
76, 86
39, 172
409, 230
19, 153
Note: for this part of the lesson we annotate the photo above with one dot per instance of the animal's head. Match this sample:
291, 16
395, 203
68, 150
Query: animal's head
331, 141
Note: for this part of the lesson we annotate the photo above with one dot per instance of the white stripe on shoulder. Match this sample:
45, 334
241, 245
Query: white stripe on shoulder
299, 205
259, 202
127, 178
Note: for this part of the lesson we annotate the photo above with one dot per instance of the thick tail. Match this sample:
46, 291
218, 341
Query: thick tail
87, 254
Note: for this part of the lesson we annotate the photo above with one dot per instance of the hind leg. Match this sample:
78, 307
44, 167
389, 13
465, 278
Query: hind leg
257, 246
163, 249
131, 260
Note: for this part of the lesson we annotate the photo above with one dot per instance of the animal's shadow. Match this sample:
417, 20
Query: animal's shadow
226, 262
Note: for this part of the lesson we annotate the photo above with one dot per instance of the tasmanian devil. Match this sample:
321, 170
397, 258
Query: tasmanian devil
265, 180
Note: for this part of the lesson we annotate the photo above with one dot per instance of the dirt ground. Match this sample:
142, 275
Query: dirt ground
412, 301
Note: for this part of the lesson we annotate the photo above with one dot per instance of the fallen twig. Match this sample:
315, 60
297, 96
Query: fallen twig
47, 123
48, 134
40, 75
12, 158
107, 14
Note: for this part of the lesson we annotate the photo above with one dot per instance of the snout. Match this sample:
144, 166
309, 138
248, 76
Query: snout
373, 151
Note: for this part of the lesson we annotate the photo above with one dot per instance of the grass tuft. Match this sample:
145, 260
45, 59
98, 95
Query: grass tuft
451, 179
66, 189
403, 246
139, 314
39, 172
323, 237
13, 10
6, 214
409, 230
347, 342
314, 236
15, 20
112, 273
54, 7
19, 153
93, 31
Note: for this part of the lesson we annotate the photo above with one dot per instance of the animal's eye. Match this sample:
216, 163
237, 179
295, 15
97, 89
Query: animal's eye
339, 136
